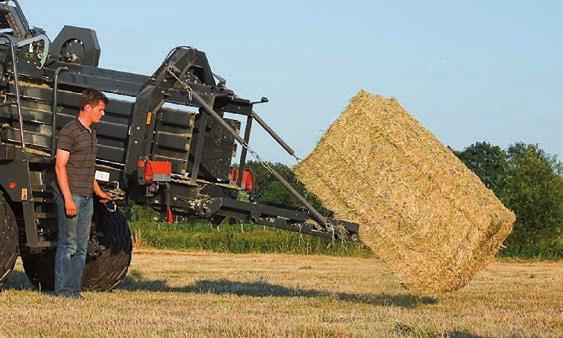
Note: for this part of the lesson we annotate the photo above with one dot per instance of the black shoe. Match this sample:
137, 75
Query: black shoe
73, 295
76, 295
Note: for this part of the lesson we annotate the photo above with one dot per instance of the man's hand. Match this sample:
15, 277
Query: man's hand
104, 198
70, 207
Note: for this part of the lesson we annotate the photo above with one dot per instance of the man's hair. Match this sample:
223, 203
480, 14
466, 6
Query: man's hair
92, 97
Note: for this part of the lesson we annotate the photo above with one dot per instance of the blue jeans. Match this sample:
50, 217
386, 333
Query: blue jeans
72, 244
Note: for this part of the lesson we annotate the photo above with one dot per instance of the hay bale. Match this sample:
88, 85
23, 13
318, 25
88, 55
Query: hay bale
420, 209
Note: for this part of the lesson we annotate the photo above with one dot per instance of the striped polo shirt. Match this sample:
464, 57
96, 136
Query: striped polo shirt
81, 143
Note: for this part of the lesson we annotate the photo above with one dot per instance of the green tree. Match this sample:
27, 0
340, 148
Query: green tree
486, 161
529, 182
268, 190
532, 187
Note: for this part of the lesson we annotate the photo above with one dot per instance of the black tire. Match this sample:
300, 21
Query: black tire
107, 260
108, 264
8, 240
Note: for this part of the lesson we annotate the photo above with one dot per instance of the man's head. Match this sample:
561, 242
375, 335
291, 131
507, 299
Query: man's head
92, 105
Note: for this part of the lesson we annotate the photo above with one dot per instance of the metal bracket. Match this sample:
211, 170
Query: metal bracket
29, 41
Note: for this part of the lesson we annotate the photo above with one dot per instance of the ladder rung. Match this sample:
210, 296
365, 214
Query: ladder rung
45, 215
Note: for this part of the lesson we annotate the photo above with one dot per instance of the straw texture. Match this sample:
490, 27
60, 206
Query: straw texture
420, 209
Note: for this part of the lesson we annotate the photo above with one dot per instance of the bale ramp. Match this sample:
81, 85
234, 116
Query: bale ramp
425, 214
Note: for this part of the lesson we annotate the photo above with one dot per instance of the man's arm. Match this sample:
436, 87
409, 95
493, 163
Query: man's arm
104, 198
62, 179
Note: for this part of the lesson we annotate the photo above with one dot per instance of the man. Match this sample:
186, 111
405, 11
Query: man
75, 166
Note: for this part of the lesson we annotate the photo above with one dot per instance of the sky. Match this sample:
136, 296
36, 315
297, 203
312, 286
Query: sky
468, 71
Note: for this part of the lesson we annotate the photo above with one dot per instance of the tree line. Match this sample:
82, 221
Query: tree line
524, 177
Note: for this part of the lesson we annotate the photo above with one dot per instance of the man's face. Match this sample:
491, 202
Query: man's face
95, 112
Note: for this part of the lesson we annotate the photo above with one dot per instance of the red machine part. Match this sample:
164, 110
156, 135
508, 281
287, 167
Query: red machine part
247, 182
155, 171
169, 216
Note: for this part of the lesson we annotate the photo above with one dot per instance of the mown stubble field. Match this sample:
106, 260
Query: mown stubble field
207, 294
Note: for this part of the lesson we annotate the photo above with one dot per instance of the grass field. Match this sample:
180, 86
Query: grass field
239, 238
194, 294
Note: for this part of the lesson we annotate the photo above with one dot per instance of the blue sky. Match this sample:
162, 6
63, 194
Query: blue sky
468, 71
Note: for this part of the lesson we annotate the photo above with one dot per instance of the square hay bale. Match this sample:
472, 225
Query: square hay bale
424, 213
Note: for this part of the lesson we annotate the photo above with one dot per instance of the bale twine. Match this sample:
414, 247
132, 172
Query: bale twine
425, 214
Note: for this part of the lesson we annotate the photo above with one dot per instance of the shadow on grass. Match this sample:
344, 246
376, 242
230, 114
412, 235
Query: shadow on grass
404, 330
135, 282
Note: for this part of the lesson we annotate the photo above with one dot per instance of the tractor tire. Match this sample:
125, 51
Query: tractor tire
8, 240
112, 248
107, 259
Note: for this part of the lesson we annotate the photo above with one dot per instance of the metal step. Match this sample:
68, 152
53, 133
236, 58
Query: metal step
45, 215
43, 199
